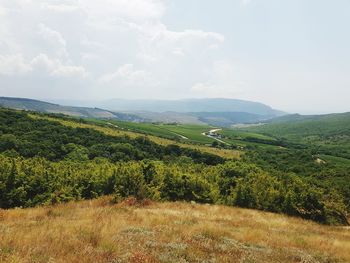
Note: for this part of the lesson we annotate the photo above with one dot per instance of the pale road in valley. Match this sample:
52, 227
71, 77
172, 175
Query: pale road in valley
210, 135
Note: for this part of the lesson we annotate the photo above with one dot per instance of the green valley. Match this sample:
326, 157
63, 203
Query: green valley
50, 158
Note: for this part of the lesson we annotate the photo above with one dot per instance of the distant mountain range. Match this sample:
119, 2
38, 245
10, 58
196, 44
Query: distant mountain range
46, 107
183, 106
217, 112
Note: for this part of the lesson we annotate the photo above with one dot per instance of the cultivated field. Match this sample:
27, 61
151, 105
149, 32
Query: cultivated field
187, 132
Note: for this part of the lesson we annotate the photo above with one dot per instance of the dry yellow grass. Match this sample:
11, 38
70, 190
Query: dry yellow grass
98, 231
230, 154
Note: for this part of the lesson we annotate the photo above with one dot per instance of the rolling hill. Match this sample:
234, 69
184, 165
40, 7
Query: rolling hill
336, 122
331, 131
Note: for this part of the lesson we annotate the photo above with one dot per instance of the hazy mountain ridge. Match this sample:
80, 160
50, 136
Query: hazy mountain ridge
218, 112
227, 119
183, 106
47, 107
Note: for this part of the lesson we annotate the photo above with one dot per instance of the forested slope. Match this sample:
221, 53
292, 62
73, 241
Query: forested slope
45, 162
316, 148
329, 133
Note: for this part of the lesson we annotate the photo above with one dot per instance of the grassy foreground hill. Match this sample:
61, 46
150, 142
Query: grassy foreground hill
100, 231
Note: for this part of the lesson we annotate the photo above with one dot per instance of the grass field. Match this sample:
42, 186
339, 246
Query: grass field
336, 160
244, 139
99, 231
193, 133
243, 135
146, 128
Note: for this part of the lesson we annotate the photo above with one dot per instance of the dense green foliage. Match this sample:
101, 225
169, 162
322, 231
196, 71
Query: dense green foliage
327, 134
22, 135
29, 182
324, 171
317, 148
45, 162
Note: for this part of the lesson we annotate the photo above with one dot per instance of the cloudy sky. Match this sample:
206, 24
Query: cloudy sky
291, 54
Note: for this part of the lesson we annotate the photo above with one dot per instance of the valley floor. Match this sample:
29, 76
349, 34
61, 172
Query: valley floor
98, 231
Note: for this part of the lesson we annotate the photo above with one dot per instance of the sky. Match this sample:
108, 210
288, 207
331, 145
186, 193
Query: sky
293, 55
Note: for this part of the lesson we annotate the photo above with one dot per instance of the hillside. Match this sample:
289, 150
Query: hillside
331, 132
47, 160
305, 125
100, 231
313, 147
151, 197
45, 107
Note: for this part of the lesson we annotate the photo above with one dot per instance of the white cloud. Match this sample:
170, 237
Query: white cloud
203, 88
188, 39
54, 39
199, 34
2, 11
126, 75
90, 39
178, 52
13, 64
51, 35
54, 67
16, 65
60, 8
246, 2
137, 10
223, 82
